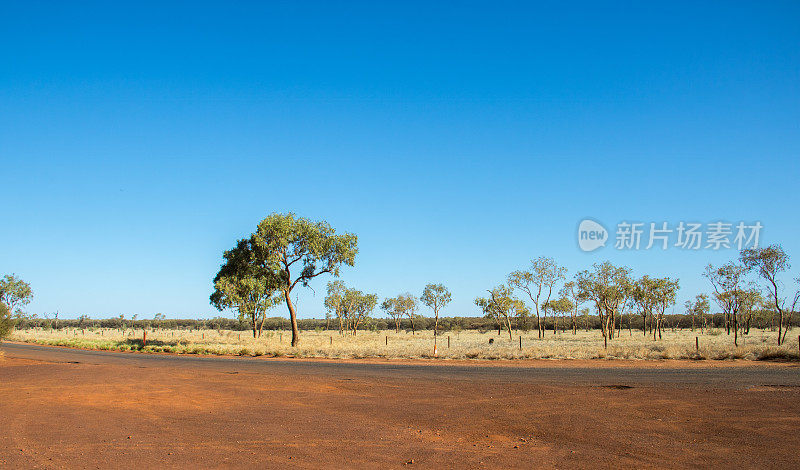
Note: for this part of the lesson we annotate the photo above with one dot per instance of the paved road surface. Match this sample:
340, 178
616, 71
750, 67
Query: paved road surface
740, 376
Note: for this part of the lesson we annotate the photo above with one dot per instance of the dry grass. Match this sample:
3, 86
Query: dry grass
759, 345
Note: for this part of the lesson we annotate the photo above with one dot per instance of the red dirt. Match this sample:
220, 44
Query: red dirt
108, 413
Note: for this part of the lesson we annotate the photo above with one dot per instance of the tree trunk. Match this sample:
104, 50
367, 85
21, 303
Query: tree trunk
293, 318
538, 324
261, 325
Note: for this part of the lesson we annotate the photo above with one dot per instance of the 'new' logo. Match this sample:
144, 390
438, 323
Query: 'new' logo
591, 235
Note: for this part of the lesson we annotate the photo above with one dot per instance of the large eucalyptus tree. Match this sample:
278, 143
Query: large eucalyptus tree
286, 251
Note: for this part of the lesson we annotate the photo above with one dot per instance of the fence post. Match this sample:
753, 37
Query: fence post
331, 340
144, 339
448, 342
387, 340
520, 342
696, 343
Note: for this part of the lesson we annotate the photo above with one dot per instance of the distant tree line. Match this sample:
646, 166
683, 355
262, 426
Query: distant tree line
761, 319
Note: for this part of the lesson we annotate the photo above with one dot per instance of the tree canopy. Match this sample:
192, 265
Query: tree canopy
15, 293
243, 285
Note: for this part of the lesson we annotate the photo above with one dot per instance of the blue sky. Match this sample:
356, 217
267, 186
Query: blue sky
458, 140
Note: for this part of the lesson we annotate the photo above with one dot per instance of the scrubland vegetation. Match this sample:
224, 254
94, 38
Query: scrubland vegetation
467, 344
286, 251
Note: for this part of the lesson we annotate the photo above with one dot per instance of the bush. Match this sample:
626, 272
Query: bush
6, 321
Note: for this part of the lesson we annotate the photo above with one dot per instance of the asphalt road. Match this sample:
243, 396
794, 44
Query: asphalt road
536, 372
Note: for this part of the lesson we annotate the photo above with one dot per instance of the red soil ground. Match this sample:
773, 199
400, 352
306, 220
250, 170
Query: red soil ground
62, 408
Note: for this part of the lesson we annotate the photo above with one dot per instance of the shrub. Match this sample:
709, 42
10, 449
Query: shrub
772, 352
6, 321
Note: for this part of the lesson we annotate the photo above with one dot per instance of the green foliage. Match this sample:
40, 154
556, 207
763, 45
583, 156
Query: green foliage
358, 307
609, 287
15, 293
560, 306
283, 242
6, 321
334, 301
436, 297
502, 306
350, 306
771, 262
245, 286
538, 283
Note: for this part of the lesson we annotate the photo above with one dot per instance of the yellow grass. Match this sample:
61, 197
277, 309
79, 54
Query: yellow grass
760, 344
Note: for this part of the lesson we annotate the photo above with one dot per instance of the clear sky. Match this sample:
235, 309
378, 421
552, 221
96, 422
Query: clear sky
139, 140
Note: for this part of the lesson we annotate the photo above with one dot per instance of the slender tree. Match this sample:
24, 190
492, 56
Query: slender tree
698, 309
570, 291
334, 302
358, 308
559, 307
538, 283
770, 262
436, 297
394, 311
644, 296
409, 305
502, 306
728, 282
664, 296
609, 287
